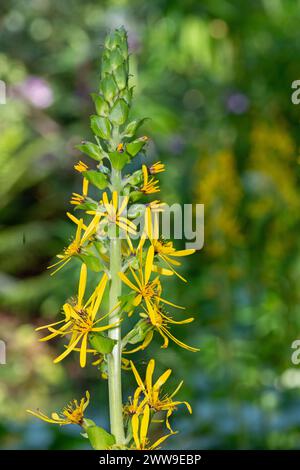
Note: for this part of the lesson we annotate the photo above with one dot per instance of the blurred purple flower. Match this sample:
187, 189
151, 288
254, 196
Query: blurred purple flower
37, 91
237, 103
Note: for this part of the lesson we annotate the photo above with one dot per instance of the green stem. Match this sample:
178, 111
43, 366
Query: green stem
114, 359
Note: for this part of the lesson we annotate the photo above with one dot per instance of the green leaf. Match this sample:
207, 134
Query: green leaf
101, 105
87, 206
119, 112
101, 126
132, 128
127, 302
96, 178
135, 146
92, 262
135, 196
90, 149
99, 438
138, 333
119, 160
102, 343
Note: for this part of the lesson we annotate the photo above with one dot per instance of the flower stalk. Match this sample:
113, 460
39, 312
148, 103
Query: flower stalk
115, 357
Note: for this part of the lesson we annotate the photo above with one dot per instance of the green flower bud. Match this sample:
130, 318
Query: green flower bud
121, 76
109, 88
119, 112
116, 58
101, 105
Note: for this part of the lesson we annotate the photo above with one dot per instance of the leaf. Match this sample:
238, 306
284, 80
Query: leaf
87, 206
99, 438
96, 178
92, 150
132, 127
119, 112
134, 147
135, 196
92, 262
101, 105
103, 344
119, 160
127, 302
101, 126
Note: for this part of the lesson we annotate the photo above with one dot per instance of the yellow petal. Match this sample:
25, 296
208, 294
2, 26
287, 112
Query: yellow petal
149, 263
135, 430
162, 379
83, 351
137, 376
145, 425
149, 374
82, 285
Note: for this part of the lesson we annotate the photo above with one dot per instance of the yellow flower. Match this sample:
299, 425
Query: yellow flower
163, 249
79, 241
73, 413
152, 392
140, 428
120, 148
161, 323
81, 167
150, 186
157, 167
80, 319
113, 212
156, 206
145, 289
80, 198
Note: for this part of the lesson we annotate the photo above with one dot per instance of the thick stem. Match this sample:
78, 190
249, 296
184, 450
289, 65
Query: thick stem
114, 359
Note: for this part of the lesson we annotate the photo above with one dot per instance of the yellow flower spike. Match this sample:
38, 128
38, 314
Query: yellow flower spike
73, 413
150, 185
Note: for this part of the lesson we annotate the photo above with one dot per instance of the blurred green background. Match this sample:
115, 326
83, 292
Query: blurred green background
215, 78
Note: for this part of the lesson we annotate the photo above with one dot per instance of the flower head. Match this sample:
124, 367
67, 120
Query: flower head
153, 395
112, 212
146, 290
73, 413
81, 167
80, 198
140, 426
162, 248
80, 319
150, 185
76, 246
157, 167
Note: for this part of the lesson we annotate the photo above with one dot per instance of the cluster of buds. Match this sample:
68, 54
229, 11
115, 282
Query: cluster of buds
110, 253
